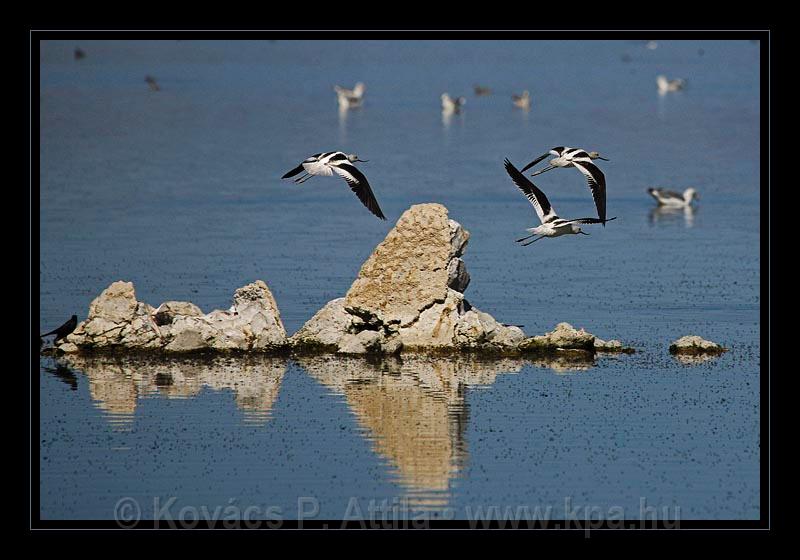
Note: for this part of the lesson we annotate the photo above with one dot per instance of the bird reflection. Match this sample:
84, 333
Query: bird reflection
665, 215
64, 374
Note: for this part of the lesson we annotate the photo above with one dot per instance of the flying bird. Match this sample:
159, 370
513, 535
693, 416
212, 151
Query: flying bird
665, 197
552, 225
451, 105
328, 163
64, 329
582, 161
350, 97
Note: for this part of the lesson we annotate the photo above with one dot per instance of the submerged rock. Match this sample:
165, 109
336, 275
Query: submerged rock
694, 345
117, 320
409, 295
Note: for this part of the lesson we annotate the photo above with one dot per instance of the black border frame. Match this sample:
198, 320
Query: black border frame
36, 524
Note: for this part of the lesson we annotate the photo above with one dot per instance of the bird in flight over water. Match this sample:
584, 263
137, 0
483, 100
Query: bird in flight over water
581, 160
552, 225
328, 163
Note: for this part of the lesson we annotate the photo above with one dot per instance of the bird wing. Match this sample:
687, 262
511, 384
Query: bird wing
536, 197
534, 162
588, 221
359, 185
293, 172
597, 184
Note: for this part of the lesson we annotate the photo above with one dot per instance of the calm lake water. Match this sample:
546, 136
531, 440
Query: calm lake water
178, 191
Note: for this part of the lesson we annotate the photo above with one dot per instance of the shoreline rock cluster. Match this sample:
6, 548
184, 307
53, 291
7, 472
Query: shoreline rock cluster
408, 297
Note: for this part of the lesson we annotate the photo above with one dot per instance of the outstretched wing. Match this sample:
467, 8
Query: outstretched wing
532, 193
359, 185
534, 162
597, 184
588, 221
293, 172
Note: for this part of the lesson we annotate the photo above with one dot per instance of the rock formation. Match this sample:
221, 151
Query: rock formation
409, 295
694, 345
117, 320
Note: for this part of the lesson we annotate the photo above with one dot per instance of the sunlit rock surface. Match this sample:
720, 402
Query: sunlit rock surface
409, 296
117, 320
695, 345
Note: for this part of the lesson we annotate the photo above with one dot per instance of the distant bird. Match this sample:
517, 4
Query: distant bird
481, 91
665, 197
552, 225
450, 105
522, 101
79, 54
651, 45
665, 85
350, 97
64, 329
328, 163
582, 161
151, 81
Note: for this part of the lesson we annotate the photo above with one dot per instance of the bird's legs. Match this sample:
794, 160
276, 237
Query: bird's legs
548, 168
534, 241
304, 178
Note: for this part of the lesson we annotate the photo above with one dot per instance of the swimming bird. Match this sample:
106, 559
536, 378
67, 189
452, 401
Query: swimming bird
350, 97
552, 225
581, 160
481, 91
450, 105
151, 81
79, 54
522, 101
64, 329
328, 163
666, 197
665, 85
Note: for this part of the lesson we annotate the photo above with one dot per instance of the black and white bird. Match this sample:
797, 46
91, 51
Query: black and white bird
581, 160
452, 105
665, 197
328, 163
350, 98
63, 330
552, 225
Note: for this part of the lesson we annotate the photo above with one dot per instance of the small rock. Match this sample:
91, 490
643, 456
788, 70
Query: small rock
695, 345
612, 347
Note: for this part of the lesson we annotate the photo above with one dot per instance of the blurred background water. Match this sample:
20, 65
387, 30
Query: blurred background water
178, 190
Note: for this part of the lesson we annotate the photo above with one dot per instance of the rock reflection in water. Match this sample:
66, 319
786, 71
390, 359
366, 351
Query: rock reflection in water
414, 412
116, 384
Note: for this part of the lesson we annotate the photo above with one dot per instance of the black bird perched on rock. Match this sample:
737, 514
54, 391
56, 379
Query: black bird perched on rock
64, 329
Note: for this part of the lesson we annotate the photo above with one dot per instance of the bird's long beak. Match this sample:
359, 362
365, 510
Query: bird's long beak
364, 160
583, 232
603, 158
548, 168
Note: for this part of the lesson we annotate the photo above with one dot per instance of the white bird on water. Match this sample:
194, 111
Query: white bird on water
522, 101
581, 160
328, 163
674, 199
451, 105
552, 225
665, 85
350, 98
